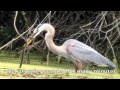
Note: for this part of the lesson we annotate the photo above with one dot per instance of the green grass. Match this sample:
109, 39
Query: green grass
9, 69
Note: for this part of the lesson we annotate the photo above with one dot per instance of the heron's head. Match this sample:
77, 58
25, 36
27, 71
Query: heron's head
35, 33
43, 27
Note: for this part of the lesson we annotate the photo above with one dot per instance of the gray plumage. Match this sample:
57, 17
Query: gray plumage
86, 55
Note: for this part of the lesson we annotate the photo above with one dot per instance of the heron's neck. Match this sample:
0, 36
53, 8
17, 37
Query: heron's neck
50, 44
49, 41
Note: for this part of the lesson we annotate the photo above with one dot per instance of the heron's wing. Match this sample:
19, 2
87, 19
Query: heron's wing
86, 55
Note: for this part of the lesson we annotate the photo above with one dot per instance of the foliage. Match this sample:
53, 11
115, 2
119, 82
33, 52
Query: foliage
9, 69
98, 29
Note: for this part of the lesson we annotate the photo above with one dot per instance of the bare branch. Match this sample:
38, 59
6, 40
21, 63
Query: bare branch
16, 27
14, 39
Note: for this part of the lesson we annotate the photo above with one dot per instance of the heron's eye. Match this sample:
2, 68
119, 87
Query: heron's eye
41, 35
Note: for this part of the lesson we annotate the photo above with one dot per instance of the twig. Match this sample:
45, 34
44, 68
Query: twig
22, 57
16, 27
112, 50
18, 36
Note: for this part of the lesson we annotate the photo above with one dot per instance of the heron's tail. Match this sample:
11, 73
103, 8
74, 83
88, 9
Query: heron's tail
110, 64
106, 63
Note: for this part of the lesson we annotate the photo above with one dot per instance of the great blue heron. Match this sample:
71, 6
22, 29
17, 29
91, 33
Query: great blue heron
75, 51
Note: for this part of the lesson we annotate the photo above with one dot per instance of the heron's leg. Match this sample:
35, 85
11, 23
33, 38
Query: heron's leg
78, 66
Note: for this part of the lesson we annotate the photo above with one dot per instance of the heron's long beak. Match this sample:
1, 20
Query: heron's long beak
29, 40
36, 32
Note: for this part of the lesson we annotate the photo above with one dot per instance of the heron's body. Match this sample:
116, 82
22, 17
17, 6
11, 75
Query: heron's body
77, 52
